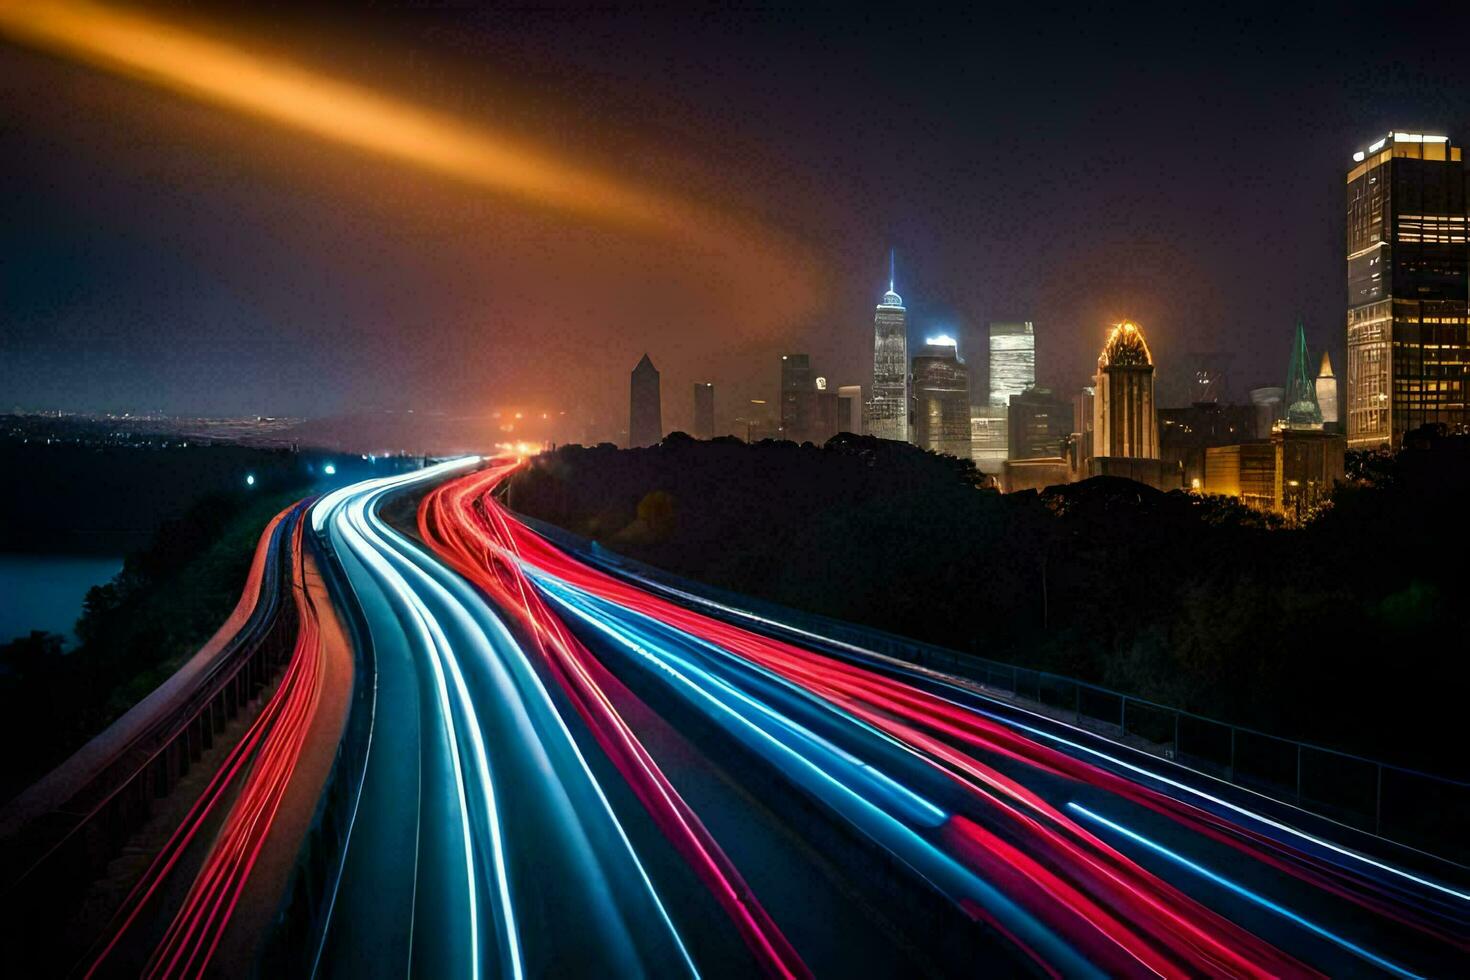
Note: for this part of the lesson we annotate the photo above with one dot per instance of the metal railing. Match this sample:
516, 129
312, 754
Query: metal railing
1416, 809
296, 932
46, 866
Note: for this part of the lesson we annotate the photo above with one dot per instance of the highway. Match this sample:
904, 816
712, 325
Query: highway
481, 843
563, 768
943, 828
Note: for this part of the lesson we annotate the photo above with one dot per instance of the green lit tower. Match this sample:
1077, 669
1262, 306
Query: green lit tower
1300, 399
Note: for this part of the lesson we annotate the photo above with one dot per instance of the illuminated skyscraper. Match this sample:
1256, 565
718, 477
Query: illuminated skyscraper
941, 398
1299, 404
704, 410
1327, 391
645, 416
888, 412
1124, 423
1012, 361
1407, 255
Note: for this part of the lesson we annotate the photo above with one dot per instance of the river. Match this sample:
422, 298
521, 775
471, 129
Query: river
45, 592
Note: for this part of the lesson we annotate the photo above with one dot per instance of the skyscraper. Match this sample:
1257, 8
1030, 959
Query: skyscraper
798, 397
850, 409
888, 412
1408, 290
1012, 361
1327, 391
704, 410
1083, 421
941, 398
1299, 403
825, 421
1124, 424
1038, 424
645, 416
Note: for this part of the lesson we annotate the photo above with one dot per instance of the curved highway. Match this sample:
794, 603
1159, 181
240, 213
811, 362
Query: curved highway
482, 844
1041, 848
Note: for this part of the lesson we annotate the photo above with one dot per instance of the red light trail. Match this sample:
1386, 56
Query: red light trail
468, 548
1117, 913
266, 756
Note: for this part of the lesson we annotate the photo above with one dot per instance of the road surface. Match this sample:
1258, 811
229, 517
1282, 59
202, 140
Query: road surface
994, 836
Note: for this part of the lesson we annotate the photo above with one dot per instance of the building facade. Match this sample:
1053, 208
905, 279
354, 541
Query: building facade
1246, 471
1124, 423
888, 412
704, 410
1082, 423
1037, 424
941, 398
1306, 465
1034, 474
988, 438
1326, 385
798, 397
850, 410
1408, 356
1186, 434
645, 415
1012, 362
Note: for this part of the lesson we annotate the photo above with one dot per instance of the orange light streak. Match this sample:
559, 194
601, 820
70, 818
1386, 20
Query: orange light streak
144, 48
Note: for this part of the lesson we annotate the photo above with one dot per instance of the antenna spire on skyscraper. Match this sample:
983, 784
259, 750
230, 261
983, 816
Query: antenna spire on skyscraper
890, 269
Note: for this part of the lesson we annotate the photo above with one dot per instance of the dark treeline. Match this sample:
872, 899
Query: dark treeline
1345, 631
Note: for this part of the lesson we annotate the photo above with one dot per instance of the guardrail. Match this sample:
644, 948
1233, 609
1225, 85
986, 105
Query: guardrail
1418, 810
46, 865
290, 947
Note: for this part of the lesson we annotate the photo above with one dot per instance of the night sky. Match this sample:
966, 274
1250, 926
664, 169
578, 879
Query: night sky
1071, 168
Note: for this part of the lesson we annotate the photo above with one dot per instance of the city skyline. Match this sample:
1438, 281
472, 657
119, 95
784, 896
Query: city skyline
581, 491
282, 318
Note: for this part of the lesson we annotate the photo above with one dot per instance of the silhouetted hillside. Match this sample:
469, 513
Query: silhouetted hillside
1343, 631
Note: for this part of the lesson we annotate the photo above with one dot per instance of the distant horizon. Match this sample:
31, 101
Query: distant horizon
198, 252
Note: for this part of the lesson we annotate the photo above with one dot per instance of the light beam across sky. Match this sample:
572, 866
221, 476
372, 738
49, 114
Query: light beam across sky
188, 63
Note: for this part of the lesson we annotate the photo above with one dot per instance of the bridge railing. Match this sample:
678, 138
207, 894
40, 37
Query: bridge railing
1420, 810
47, 864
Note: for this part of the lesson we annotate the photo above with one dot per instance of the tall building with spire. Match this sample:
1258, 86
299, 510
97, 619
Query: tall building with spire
888, 411
1124, 424
1408, 279
645, 414
1327, 391
1299, 404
